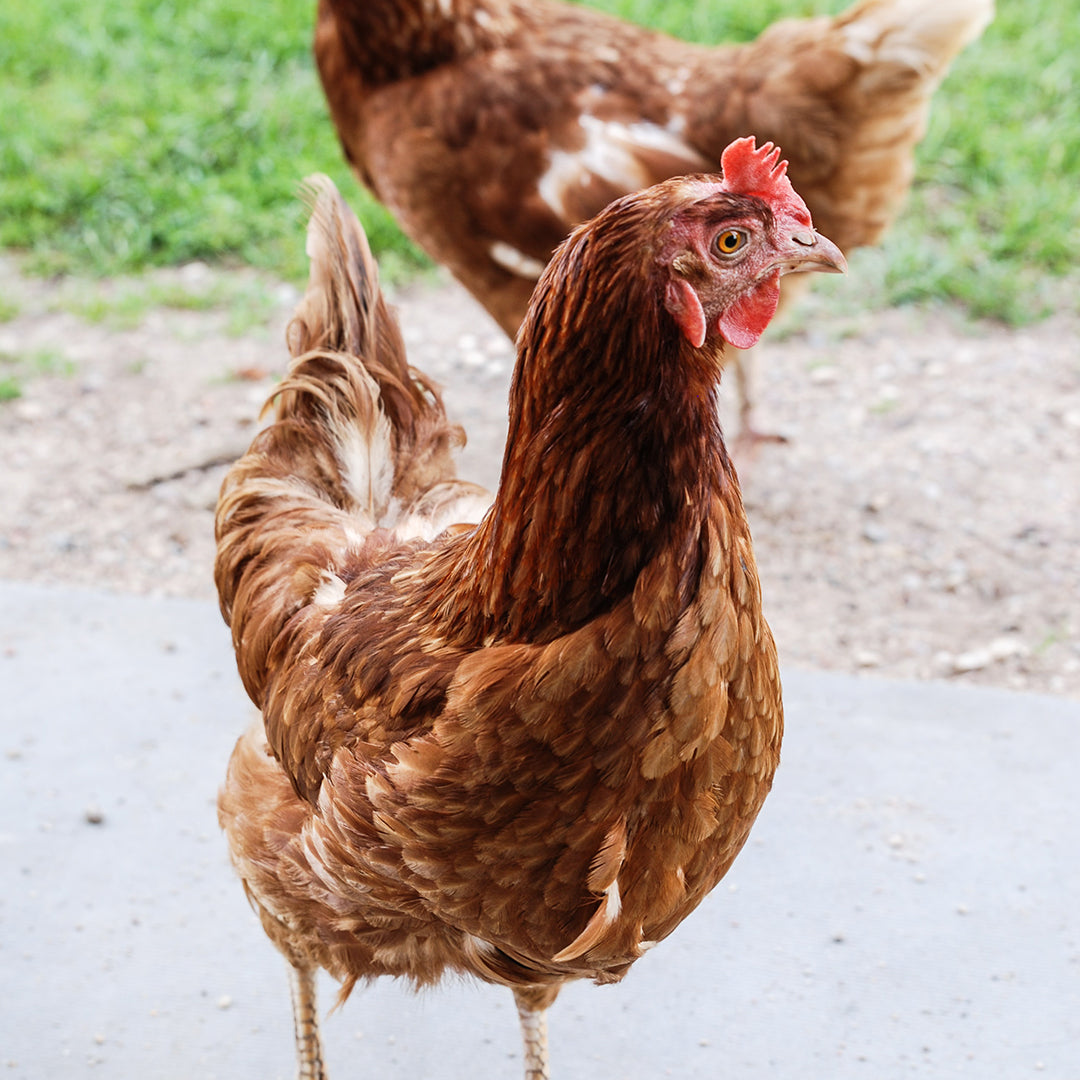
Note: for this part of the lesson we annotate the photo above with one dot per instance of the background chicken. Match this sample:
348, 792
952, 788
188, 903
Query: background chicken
526, 749
491, 127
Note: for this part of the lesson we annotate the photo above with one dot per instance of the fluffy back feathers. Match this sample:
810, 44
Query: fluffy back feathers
354, 447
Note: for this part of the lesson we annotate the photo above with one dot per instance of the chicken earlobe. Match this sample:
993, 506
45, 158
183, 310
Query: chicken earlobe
683, 303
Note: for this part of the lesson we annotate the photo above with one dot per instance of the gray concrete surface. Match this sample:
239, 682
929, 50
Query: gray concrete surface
907, 905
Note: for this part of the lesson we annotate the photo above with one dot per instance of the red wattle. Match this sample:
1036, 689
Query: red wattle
745, 320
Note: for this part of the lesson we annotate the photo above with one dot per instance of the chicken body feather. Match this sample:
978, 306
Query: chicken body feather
490, 128
523, 749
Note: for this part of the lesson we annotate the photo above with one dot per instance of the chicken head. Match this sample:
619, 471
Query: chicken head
728, 251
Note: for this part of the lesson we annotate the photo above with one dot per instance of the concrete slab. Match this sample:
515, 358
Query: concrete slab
907, 905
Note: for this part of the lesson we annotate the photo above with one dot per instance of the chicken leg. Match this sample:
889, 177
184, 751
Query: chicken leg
532, 1006
749, 438
309, 1055
532, 1003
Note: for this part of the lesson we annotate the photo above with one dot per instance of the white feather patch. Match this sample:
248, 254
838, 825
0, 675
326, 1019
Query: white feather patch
611, 152
604, 917
466, 510
354, 538
485, 948
677, 83
517, 262
367, 464
330, 592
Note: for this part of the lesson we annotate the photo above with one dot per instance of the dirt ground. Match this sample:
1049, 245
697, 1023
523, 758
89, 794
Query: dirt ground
922, 521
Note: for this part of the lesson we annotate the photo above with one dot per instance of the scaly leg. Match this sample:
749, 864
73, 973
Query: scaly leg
749, 438
309, 1057
532, 1006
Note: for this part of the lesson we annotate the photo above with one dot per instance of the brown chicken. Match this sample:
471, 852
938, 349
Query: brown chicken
491, 127
523, 749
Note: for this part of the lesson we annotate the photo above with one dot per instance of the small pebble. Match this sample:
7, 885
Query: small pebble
94, 815
825, 374
194, 273
224, 1002
28, 410
980, 658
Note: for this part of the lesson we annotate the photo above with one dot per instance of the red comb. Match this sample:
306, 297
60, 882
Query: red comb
751, 170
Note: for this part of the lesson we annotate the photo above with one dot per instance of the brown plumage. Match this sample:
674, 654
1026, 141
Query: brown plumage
491, 127
524, 749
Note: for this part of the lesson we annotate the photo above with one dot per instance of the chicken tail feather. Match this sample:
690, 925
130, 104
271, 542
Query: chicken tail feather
876, 67
344, 315
359, 442
925, 37
904, 49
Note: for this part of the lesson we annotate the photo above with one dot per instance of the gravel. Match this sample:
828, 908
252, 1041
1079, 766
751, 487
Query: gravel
922, 521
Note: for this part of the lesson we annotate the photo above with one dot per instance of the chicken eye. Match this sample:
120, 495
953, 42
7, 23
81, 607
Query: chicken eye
729, 241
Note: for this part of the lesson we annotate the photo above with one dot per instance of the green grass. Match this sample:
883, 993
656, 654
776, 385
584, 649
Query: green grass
146, 133
122, 312
50, 362
10, 388
124, 303
15, 371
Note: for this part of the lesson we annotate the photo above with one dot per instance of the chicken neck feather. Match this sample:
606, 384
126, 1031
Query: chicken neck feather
614, 451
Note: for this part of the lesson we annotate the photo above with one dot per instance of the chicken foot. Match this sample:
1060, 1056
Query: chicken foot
532, 1005
309, 1056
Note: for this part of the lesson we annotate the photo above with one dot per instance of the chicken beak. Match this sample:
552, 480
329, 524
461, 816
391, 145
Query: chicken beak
808, 250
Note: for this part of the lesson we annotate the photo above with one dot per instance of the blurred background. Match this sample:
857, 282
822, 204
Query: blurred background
140, 133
